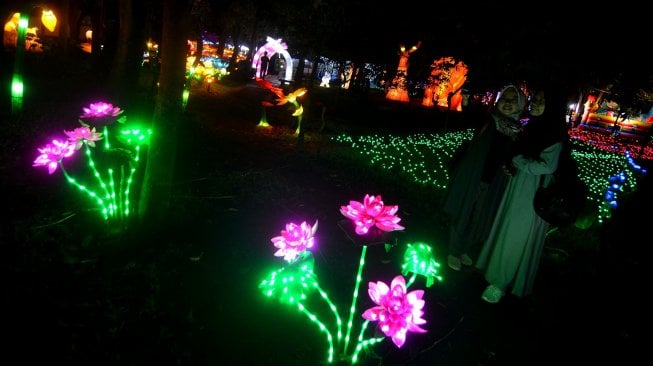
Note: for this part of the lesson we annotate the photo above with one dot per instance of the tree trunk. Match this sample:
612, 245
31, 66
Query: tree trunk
64, 28
154, 202
122, 48
129, 55
234, 56
97, 24
299, 74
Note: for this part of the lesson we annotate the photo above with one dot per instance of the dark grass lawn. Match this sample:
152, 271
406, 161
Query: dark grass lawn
187, 292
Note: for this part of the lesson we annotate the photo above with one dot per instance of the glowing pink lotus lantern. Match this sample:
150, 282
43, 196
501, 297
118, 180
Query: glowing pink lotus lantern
52, 153
101, 112
83, 134
397, 311
295, 240
372, 213
110, 180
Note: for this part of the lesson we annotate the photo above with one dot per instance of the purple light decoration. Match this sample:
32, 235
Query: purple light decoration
397, 311
112, 192
295, 240
81, 134
273, 46
52, 153
372, 212
100, 109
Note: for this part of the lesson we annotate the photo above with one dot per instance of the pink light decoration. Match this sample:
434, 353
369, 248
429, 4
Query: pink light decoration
52, 153
273, 46
294, 240
81, 134
397, 312
100, 109
372, 212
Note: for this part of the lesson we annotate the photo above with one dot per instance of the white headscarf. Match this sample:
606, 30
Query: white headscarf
509, 124
521, 100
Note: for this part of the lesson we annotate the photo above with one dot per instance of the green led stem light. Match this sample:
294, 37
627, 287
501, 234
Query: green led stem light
17, 85
354, 298
396, 310
111, 167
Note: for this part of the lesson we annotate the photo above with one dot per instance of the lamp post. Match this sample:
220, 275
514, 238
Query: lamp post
49, 20
17, 87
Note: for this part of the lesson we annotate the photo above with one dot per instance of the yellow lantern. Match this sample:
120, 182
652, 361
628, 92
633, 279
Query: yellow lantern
49, 20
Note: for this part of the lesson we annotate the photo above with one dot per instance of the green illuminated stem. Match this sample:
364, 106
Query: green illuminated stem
411, 280
121, 191
359, 346
82, 188
113, 205
314, 319
362, 344
106, 137
333, 308
17, 83
96, 173
263, 122
352, 309
363, 327
299, 118
129, 181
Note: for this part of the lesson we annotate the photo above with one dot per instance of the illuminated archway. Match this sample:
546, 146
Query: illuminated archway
274, 46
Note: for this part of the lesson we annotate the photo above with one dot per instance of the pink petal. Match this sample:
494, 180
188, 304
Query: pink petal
415, 298
377, 291
399, 338
372, 314
52, 167
399, 281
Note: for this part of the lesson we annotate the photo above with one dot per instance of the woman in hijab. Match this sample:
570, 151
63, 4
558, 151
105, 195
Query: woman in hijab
511, 253
477, 181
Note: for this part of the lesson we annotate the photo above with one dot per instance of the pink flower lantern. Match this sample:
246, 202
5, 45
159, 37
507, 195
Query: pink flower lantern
52, 153
372, 213
102, 113
81, 134
397, 311
295, 240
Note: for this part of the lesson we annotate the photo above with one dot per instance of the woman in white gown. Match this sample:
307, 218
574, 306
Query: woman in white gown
511, 253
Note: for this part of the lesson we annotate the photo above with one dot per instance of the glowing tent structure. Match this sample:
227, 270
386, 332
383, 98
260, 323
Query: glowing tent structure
444, 86
272, 47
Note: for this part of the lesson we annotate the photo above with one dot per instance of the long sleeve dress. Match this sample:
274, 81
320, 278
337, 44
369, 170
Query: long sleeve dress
511, 254
477, 185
